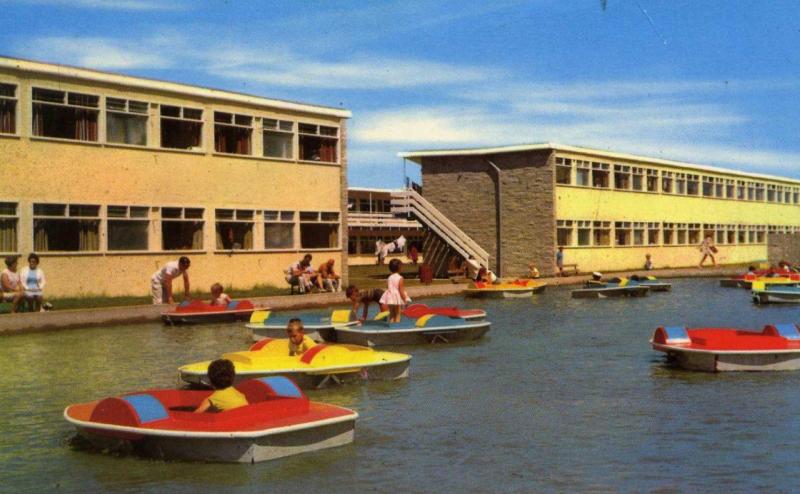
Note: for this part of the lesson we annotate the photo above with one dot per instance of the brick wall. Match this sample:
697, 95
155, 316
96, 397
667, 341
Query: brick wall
783, 247
464, 189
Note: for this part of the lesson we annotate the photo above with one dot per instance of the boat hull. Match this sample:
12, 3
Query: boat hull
730, 362
319, 379
228, 450
628, 291
178, 318
418, 336
775, 297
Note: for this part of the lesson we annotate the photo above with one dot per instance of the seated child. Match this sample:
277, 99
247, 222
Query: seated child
217, 296
222, 373
299, 343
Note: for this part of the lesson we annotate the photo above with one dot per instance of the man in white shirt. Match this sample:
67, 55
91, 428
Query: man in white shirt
161, 282
473, 267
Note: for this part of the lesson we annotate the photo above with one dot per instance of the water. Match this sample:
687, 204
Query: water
562, 395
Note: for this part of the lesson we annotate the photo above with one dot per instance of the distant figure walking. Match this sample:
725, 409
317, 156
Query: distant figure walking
708, 250
560, 261
648, 263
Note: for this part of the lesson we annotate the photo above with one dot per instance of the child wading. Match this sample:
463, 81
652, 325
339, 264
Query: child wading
395, 296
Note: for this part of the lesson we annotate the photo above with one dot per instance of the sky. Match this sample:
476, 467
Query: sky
713, 83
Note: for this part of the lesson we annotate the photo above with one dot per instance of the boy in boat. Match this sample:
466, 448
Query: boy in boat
365, 298
218, 297
596, 281
299, 343
221, 374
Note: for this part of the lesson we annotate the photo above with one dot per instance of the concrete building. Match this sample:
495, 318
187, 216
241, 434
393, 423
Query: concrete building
108, 176
606, 209
369, 219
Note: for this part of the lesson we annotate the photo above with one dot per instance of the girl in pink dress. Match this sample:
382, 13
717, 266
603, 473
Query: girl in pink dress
395, 295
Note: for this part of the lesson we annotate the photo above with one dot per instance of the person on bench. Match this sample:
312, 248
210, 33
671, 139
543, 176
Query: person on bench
10, 285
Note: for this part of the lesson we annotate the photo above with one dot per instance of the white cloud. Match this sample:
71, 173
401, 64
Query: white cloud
100, 53
109, 4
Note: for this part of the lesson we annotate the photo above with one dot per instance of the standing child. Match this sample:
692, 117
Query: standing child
218, 297
395, 296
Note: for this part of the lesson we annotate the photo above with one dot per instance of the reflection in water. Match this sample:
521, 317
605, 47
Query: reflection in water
562, 395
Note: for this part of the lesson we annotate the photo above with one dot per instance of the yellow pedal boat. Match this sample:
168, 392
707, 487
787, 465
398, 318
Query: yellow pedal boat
319, 366
507, 289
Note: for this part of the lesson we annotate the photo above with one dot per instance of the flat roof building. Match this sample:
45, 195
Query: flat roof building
108, 176
606, 209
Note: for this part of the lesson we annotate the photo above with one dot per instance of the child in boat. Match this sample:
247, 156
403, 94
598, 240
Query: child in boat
218, 297
299, 343
221, 374
365, 298
596, 281
395, 296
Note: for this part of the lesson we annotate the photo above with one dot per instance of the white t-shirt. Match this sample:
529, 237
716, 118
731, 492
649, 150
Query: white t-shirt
169, 272
12, 277
473, 266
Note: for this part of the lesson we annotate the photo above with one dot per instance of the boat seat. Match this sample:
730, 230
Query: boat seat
130, 410
788, 331
262, 389
671, 335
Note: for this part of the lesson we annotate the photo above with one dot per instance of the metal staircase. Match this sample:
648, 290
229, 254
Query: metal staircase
448, 237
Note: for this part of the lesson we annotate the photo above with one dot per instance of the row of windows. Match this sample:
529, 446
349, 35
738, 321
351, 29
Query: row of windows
580, 233
632, 178
76, 116
77, 228
365, 205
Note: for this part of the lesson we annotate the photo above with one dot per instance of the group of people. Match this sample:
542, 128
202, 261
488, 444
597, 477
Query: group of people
393, 299
23, 286
307, 279
470, 268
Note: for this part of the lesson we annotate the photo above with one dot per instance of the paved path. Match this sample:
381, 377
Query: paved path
79, 318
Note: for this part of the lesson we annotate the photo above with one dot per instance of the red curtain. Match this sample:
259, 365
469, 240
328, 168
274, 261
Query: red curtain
7, 120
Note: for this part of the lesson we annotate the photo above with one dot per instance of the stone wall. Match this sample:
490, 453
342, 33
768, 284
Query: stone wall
464, 189
783, 247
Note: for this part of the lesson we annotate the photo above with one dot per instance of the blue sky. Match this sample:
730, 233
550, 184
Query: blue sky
713, 83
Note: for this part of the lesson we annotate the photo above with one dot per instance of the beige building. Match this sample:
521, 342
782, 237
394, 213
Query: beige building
108, 176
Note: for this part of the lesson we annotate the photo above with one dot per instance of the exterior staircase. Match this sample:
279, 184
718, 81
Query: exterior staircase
444, 239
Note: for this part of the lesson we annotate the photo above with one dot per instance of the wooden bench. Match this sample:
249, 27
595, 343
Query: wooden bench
570, 269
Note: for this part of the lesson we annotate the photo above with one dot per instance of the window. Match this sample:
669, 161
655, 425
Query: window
730, 189
680, 230
759, 191
319, 230
692, 185
182, 228
600, 175
638, 178
366, 245
730, 231
564, 232
279, 229
8, 226
234, 229
720, 238
352, 245
126, 121
666, 182
761, 234
751, 234
719, 187
278, 138
318, 143
694, 233
652, 233
181, 128
796, 195
771, 193
232, 133
779, 193
622, 177
68, 228
128, 227
65, 115
652, 180
751, 191
741, 235
602, 232
740, 190
787, 195
680, 183
584, 233
563, 171
622, 233
669, 233
582, 173
708, 187
8, 109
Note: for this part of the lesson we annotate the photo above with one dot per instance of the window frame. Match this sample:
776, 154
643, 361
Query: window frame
14, 100
15, 218
147, 218
239, 217
127, 112
281, 218
68, 216
64, 103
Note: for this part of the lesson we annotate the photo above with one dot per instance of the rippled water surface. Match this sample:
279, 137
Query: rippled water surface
562, 395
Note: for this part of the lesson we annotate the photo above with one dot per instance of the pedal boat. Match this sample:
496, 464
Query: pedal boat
425, 330
651, 282
775, 294
623, 288
419, 310
776, 347
266, 324
317, 367
767, 277
199, 312
279, 421
509, 289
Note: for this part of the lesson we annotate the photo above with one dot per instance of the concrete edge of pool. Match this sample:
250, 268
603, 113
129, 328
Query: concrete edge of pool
79, 318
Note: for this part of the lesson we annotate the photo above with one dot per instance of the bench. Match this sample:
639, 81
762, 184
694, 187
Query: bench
570, 269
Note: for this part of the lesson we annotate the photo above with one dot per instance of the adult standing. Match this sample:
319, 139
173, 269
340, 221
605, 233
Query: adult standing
33, 281
10, 285
560, 261
161, 281
708, 249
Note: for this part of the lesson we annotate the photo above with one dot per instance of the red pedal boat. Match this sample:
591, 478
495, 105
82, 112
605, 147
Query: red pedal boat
776, 347
199, 312
418, 310
279, 421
